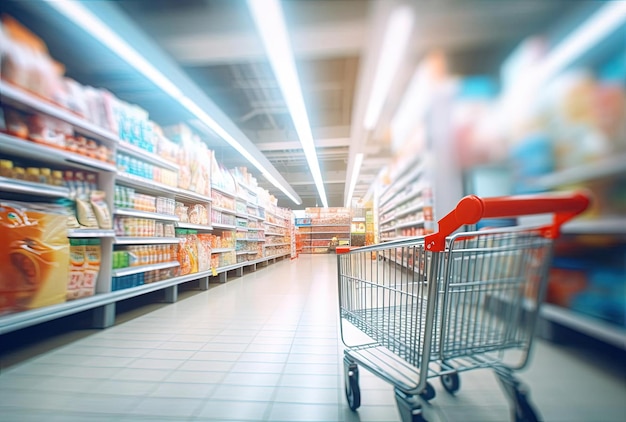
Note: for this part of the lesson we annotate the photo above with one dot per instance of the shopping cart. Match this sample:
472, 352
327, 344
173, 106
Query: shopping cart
438, 305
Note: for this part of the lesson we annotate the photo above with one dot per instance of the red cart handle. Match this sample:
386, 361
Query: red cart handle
472, 208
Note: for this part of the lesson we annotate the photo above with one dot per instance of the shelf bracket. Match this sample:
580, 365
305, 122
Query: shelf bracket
171, 294
104, 316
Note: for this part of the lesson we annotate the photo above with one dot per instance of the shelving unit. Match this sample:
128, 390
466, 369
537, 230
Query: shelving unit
606, 225
406, 206
103, 302
320, 226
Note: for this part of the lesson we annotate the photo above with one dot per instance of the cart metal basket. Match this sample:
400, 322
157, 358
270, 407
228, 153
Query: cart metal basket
438, 305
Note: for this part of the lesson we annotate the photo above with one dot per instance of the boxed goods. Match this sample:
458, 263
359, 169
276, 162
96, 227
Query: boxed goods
34, 256
85, 257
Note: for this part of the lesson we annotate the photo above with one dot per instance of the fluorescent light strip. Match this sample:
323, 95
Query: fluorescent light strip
599, 25
395, 40
78, 14
358, 161
268, 16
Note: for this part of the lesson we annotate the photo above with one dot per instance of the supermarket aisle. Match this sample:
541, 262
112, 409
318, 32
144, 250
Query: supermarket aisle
264, 347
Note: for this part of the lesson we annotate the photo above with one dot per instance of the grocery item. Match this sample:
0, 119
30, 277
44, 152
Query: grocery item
85, 214
101, 209
93, 257
76, 271
34, 256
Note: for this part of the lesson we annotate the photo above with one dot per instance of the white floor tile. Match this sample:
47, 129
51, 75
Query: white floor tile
266, 347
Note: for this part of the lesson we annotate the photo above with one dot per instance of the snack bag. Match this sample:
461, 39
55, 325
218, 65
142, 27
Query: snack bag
101, 209
34, 257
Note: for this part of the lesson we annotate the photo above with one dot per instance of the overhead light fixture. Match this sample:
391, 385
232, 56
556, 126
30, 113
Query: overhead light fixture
598, 26
601, 24
358, 161
269, 20
396, 38
81, 16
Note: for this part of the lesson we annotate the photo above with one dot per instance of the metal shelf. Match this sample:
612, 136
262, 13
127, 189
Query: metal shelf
223, 226
144, 214
32, 150
275, 225
120, 272
277, 244
402, 180
242, 229
222, 250
128, 240
32, 188
29, 102
606, 167
417, 207
89, 233
145, 156
593, 327
275, 234
193, 226
603, 225
224, 192
150, 186
223, 210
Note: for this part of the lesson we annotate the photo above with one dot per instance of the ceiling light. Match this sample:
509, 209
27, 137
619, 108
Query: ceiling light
599, 25
395, 40
85, 19
268, 17
358, 161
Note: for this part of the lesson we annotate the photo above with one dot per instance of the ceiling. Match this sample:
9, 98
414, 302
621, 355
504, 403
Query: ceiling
336, 45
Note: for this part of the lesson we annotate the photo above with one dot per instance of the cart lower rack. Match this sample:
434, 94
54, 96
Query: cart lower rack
442, 304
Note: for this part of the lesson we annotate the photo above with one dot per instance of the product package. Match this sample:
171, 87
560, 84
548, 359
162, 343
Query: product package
34, 256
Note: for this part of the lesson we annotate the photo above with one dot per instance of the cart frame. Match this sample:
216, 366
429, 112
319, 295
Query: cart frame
437, 305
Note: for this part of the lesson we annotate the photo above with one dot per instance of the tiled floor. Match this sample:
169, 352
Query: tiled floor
266, 347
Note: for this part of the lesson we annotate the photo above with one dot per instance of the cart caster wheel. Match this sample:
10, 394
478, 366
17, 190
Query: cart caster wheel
451, 382
523, 411
409, 407
428, 393
353, 391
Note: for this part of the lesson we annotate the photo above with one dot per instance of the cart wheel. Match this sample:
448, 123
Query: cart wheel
353, 391
451, 382
523, 411
428, 393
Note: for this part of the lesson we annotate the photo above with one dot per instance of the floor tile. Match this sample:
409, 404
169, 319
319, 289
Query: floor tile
304, 412
183, 390
307, 395
206, 365
251, 379
233, 410
166, 406
314, 381
164, 364
124, 388
264, 357
169, 354
215, 355
243, 392
132, 374
201, 377
258, 367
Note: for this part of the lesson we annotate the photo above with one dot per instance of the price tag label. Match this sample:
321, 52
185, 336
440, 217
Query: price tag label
214, 271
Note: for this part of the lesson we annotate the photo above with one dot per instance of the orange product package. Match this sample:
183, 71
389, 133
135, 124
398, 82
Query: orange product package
183, 254
34, 256
77, 263
93, 254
